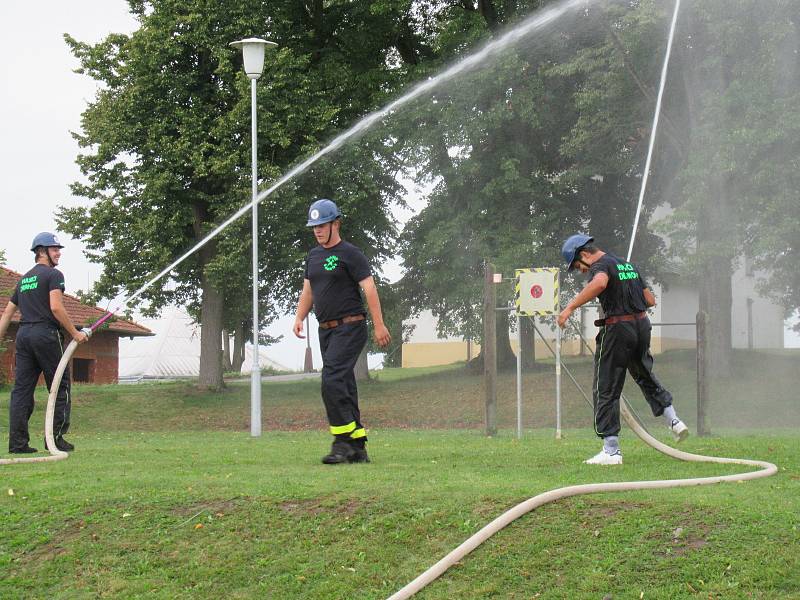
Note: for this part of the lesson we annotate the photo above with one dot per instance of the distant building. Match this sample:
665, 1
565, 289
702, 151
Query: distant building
426, 349
96, 361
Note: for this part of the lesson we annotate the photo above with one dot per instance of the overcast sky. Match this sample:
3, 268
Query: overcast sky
41, 100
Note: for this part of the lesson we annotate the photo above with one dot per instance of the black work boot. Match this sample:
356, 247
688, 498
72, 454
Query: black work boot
359, 451
341, 453
23, 450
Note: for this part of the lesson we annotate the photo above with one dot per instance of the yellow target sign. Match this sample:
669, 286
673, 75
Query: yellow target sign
536, 292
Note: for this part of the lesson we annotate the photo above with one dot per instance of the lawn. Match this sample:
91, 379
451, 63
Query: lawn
168, 497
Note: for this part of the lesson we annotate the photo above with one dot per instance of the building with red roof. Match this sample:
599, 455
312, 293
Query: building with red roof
96, 361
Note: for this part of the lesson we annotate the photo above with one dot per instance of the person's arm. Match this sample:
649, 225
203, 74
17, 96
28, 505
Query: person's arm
60, 313
303, 308
382, 336
649, 298
592, 290
5, 320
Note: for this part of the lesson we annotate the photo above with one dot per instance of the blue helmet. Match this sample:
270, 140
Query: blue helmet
572, 246
321, 212
46, 240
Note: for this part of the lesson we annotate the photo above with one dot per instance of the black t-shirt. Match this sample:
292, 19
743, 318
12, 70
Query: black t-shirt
32, 294
624, 294
334, 274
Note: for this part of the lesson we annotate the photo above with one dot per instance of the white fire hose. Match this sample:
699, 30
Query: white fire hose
765, 470
55, 453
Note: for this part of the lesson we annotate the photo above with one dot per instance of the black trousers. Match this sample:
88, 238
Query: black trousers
340, 348
624, 346
39, 348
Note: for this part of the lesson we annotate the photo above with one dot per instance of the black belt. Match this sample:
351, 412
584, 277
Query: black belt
342, 321
617, 318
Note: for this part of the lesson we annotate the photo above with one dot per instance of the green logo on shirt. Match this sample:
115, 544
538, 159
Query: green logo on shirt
626, 271
29, 283
331, 262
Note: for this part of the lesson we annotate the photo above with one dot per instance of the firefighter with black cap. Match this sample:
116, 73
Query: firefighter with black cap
623, 342
336, 272
39, 343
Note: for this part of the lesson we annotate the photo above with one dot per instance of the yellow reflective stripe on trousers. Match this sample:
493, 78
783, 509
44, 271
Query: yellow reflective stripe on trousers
342, 429
358, 433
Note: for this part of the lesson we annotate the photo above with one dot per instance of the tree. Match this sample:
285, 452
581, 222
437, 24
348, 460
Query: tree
165, 154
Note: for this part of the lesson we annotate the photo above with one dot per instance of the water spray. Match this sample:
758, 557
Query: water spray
654, 129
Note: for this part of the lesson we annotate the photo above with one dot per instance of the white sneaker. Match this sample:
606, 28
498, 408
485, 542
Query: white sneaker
679, 430
604, 458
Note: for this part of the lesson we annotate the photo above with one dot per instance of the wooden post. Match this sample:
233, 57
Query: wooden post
702, 373
489, 349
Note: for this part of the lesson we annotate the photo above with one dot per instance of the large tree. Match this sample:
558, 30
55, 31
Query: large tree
166, 152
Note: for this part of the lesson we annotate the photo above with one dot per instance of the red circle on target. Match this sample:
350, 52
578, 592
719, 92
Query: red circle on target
536, 291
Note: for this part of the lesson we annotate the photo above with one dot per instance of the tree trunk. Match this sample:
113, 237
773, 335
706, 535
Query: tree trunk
716, 299
714, 234
238, 349
362, 369
528, 343
506, 359
227, 365
211, 312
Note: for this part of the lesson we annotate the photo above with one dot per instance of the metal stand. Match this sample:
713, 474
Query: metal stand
519, 377
558, 368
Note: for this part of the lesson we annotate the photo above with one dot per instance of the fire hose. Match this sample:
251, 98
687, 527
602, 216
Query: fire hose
765, 469
55, 453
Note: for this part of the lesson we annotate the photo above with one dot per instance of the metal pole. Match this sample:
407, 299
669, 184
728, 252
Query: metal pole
489, 349
308, 363
519, 376
255, 374
558, 361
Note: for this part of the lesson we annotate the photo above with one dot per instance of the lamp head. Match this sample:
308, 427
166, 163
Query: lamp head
253, 54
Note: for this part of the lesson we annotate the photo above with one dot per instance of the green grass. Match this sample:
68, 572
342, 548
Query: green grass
121, 517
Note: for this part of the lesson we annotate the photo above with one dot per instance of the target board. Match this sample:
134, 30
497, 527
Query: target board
536, 292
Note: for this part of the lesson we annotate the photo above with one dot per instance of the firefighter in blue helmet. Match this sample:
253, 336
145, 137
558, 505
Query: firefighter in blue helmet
335, 275
39, 343
623, 342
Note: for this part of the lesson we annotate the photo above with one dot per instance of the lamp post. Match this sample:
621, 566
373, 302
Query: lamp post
253, 54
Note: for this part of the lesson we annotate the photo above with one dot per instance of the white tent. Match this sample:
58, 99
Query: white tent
173, 352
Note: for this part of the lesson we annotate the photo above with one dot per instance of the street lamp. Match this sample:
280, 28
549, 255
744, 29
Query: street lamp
253, 54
